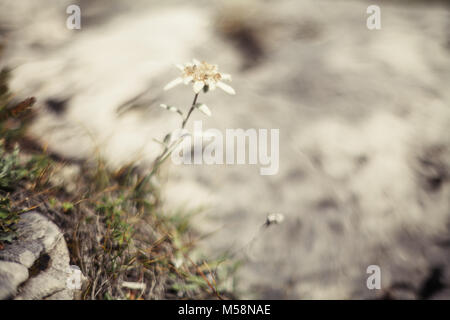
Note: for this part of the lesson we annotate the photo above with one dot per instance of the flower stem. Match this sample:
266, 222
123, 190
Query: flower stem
167, 151
190, 111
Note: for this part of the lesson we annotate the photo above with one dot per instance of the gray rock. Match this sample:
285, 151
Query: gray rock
11, 276
36, 234
38, 261
51, 280
65, 294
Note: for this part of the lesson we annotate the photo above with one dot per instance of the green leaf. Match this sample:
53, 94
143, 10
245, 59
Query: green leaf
67, 206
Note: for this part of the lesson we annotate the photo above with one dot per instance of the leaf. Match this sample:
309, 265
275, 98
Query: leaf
7, 237
171, 108
67, 206
198, 280
203, 108
167, 138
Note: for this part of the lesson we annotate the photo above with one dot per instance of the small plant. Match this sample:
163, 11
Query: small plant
8, 220
114, 227
14, 173
67, 207
114, 213
203, 77
11, 170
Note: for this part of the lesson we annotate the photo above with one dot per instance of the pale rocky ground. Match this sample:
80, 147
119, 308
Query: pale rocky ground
363, 116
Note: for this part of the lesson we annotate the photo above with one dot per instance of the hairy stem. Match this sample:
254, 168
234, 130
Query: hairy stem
190, 111
167, 151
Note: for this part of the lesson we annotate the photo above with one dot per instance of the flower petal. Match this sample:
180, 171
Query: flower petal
188, 79
198, 86
226, 88
211, 85
203, 108
179, 66
225, 76
173, 83
196, 62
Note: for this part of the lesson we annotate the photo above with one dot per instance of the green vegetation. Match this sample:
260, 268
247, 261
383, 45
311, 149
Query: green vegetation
13, 171
8, 220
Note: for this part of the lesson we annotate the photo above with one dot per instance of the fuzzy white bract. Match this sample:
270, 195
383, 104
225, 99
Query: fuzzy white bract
201, 75
274, 218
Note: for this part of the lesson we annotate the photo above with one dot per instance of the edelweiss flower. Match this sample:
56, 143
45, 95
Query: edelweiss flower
203, 76
274, 218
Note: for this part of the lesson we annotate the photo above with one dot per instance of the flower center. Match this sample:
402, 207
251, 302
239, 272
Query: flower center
203, 72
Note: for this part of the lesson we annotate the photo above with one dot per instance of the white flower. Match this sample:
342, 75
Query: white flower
203, 76
274, 218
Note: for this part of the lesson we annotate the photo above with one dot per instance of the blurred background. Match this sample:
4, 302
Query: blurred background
364, 119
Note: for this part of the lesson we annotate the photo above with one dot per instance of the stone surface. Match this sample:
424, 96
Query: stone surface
11, 276
53, 279
38, 261
36, 235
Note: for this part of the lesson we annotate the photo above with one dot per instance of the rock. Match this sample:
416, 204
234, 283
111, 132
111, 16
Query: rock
38, 261
53, 279
66, 294
11, 276
36, 234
